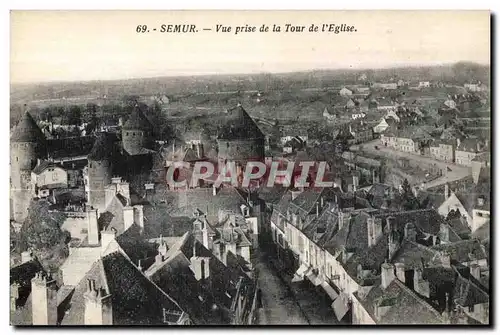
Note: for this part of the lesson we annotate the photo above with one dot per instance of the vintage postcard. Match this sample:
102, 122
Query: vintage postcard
250, 168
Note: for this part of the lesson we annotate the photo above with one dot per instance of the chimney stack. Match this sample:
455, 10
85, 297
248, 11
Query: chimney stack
374, 226
475, 271
44, 300
98, 308
128, 217
139, 216
410, 232
420, 285
400, 272
387, 275
444, 233
26, 256
106, 237
446, 259
446, 191
92, 227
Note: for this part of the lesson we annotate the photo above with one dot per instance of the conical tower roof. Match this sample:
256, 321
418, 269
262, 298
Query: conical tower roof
239, 125
102, 148
27, 130
137, 121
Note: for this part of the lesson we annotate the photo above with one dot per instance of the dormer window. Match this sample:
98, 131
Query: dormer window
480, 201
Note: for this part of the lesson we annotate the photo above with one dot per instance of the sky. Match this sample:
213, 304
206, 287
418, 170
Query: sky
103, 45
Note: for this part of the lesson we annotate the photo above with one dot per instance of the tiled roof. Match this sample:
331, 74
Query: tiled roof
281, 208
482, 232
412, 254
27, 130
405, 306
44, 165
239, 125
71, 146
466, 293
176, 278
137, 121
462, 251
135, 300
102, 148
469, 145
134, 244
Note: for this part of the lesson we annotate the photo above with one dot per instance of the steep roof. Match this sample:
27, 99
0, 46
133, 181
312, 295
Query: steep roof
102, 148
239, 125
27, 131
137, 121
45, 165
135, 299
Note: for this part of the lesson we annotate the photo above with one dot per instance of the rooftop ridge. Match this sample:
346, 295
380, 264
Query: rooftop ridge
419, 299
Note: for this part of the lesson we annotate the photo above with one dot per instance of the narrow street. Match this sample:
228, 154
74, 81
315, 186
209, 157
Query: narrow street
278, 304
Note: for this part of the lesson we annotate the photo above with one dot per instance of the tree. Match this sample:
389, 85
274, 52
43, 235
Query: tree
408, 201
74, 116
42, 229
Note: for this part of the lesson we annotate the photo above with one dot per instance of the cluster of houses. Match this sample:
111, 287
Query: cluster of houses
143, 253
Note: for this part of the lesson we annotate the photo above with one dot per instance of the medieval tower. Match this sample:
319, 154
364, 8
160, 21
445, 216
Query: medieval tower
99, 172
240, 140
27, 145
136, 133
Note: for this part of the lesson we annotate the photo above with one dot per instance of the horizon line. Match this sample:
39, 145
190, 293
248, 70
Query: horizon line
203, 74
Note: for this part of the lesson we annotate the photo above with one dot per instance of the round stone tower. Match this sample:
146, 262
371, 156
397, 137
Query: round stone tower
240, 140
99, 172
136, 133
27, 145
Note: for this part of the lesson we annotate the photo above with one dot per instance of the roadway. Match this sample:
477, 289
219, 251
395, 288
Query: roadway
457, 172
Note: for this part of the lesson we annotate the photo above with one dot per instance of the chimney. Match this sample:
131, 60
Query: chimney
14, 295
410, 232
295, 193
139, 216
387, 275
480, 201
92, 227
444, 233
106, 237
214, 190
199, 150
475, 271
355, 183
419, 284
98, 308
26, 256
317, 209
162, 248
400, 272
44, 300
128, 217
446, 191
374, 226
391, 223
446, 259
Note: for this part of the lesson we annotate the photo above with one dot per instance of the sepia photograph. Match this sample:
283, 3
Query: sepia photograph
250, 168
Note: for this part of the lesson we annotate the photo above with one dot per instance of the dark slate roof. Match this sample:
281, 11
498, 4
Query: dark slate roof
175, 277
27, 130
137, 121
45, 165
406, 306
482, 232
281, 208
102, 148
426, 220
159, 222
186, 202
135, 299
133, 243
412, 254
271, 195
466, 293
70, 146
463, 251
239, 125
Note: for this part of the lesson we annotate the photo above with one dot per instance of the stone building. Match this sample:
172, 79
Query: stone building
240, 140
27, 145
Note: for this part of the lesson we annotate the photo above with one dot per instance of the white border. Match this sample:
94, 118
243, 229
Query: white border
192, 4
